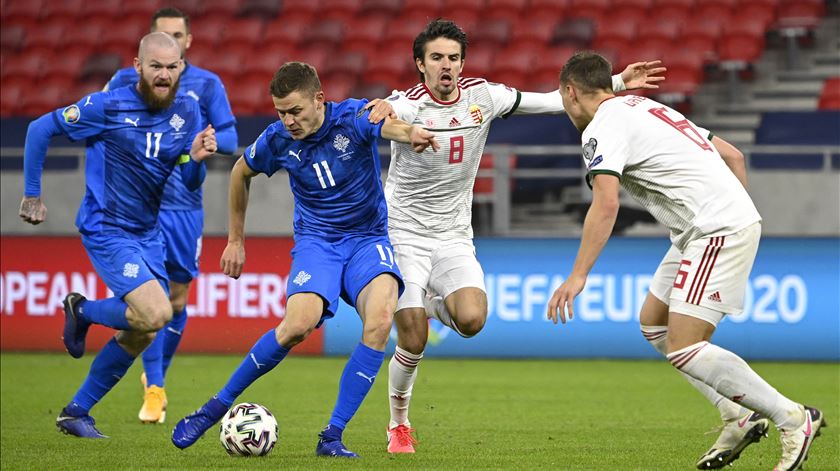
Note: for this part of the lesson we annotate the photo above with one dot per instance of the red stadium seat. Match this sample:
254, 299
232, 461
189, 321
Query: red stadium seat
208, 28
25, 11
265, 59
285, 31
425, 10
63, 9
512, 66
380, 7
616, 27
12, 38
576, 32
262, 9
345, 63
470, 7
371, 90
681, 80
310, 7
389, 65
504, 9
532, 30
830, 96
744, 26
364, 34
591, 9
403, 30
145, 8
550, 62
11, 95
193, 8
761, 12
338, 87
244, 31
493, 33
740, 48
479, 61
549, 9
100, 9
223, 9
229, 59
36, 102
661, 29
67, 63
127, 35
468, 20
677, 4
23, 65
251, 96
101, 66
708, 28
800, 14
324, 34
637, 4
315, 56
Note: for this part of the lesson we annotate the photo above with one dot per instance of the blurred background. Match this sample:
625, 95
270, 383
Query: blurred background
762, 74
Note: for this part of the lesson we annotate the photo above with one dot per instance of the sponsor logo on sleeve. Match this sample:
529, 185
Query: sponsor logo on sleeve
71, 114
596, 161
589, 150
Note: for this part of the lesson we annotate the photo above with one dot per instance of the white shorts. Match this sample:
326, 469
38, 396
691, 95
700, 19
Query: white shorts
709, 278
439, 267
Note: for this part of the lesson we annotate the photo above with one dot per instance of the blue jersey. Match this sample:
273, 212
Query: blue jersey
334, 173
130, 154
206, 88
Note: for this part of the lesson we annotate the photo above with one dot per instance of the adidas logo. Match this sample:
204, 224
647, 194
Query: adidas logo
454, 123
714, 297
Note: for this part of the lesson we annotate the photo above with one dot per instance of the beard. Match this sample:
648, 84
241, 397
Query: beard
154, 102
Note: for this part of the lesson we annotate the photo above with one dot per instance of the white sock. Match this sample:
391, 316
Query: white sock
402, 371
436, 307
730, 376
657, 335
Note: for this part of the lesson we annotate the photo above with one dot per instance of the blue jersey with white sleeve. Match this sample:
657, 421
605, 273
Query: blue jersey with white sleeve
131, 152
207, 90
334, 173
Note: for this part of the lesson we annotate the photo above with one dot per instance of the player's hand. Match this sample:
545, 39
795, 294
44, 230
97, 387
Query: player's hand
564, 298
233, 259
204, 144
32, 210
422, 138
379, 110
643, 74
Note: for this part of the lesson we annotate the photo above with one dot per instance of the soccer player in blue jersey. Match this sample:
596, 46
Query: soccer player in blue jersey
136, 137
181, 214
341, 240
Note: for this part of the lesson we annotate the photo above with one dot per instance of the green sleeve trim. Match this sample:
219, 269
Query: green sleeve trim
711, 135
600, 172
185, 158
515, 105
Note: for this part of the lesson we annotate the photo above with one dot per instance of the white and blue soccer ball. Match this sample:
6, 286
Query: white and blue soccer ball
248, 430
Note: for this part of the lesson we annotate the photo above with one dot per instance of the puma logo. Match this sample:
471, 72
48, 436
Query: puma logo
136, 120
369, 378
295, 155
259, 365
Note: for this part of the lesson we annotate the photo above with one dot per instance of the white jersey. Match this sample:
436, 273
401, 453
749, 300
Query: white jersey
430, 194
669, 166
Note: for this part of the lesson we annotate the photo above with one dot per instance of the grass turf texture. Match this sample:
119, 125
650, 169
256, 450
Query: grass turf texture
470, 414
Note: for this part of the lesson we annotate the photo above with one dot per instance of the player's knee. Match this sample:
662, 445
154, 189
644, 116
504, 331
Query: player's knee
291, 333
178, 306
378, 323
471, 322
157, 317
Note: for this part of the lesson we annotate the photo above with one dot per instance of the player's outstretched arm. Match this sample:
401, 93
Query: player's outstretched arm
379, 110
597, 228
233, 257
733, 158
643, 75
38, 135
400, 131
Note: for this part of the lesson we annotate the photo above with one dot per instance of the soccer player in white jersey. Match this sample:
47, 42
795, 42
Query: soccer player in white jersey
696, 187
430, 200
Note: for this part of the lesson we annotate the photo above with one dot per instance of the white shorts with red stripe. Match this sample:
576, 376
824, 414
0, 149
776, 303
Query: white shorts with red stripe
708, 279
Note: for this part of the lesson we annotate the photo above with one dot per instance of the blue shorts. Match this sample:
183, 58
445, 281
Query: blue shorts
124, 263
342, 268
182, 235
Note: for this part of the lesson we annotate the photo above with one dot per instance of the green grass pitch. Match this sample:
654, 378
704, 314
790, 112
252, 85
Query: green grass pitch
470, 414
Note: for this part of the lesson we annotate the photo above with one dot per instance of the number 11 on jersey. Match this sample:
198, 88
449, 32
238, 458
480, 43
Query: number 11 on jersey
321, 175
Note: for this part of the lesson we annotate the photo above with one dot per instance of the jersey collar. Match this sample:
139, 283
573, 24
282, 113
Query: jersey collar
432, 95
326, 125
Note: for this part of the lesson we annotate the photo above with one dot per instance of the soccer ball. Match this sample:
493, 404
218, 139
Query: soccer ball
248, 430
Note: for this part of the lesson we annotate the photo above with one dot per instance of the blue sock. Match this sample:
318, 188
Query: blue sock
172, 335
107, 369
109, 312
152, 360
263, 357
355, 383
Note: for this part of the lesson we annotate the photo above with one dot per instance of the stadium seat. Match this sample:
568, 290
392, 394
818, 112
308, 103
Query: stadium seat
222, 9
251, 96
740, 48
229, 59
758, 11
661, 28
390, 65
23, 65
533, 29
100, 67
672, 8
616, 27
67, 63
145, 8
575, 32
365, 34
492, 33
243, 31
371, 90
479, 61
262, 9
127, 35
190, 7
345, 63
403, 30
26, 11
830, 96
424, 10
738, 25
11, 94
315, 56
324, 34
109, 9
636, 4
338, 10
468, 20
37, 103
208, 28
338, 87
380, 7
63, 9
714, 11
264, 59
287, 31
12, 38
504, 9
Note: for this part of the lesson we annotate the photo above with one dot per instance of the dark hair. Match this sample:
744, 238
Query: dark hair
171, 12
589, 71
439, 28
294, 76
